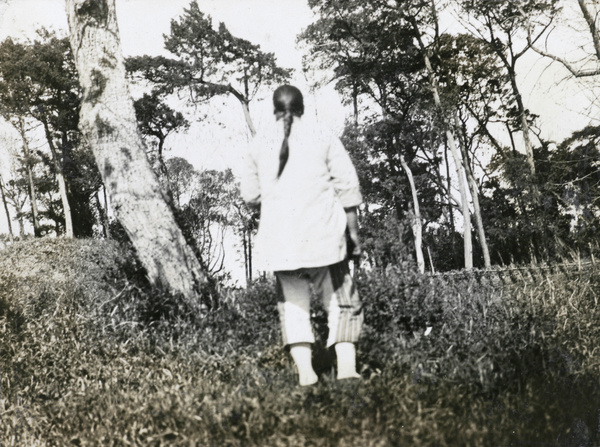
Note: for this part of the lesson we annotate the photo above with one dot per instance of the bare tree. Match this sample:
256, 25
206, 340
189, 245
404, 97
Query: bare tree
416, 219
499, 25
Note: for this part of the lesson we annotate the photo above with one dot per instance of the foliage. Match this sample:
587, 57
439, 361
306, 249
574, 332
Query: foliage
208, 62
217, 55
208, 208
575, 180
555, 216
500, 26
181, 178
39, 82
84, 183
208, 215
157, 119
372, 52
90, 355
385, 240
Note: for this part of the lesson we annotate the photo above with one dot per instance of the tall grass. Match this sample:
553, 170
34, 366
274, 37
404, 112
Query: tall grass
90, 355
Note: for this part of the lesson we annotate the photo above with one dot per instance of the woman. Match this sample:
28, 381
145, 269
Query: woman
301, 178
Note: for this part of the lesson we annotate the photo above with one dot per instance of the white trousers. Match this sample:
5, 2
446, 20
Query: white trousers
335, 287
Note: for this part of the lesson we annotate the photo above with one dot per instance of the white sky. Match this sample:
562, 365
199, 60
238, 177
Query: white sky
273, 24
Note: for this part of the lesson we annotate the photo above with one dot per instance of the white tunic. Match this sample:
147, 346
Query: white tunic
302, 221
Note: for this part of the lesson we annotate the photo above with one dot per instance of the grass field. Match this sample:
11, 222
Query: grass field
89, 355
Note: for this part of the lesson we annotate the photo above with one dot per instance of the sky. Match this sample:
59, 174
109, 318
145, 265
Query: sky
273, 24
142, 23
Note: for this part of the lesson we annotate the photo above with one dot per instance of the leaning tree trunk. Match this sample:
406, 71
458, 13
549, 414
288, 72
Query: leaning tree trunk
245, 102
417, 223
107, 120
476, 208
60, 178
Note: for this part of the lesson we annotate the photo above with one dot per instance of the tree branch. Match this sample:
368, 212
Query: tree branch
592, 25
575, 71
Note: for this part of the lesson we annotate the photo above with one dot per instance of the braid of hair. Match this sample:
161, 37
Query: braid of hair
284, 152
287, 102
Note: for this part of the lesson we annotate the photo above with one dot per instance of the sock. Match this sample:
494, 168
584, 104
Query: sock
302, 355
346, 361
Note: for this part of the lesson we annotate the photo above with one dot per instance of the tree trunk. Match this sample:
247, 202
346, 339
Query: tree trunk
468, 244
19, 214
592, 25
21, 227
476, 208
417, 225
60, 178
250, 254
246, 108
32, 191
247, 243
108, 122
103, 213
249, 123
10, 230
576, 70
449, 208
162, 166
512, 139
523, 121
246, 263
512, 75
164, 173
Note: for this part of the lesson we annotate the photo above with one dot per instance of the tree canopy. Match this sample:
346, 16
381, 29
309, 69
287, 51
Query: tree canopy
208, 62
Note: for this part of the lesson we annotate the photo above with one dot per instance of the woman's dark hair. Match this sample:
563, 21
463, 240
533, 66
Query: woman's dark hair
287, 100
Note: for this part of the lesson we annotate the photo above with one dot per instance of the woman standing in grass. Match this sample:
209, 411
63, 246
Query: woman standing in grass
301, 178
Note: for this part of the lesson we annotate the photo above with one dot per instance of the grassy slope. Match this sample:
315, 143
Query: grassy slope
89, 356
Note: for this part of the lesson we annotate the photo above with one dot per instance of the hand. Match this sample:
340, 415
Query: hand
352, 239
353, 246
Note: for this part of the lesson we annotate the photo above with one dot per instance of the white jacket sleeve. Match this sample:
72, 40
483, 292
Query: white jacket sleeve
343, 174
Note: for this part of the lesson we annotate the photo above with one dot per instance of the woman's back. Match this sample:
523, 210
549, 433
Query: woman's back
302, 218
